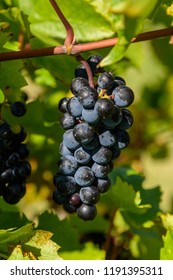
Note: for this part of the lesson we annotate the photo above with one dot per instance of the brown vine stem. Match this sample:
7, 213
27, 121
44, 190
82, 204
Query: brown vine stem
69, 29
88, 70
79, 48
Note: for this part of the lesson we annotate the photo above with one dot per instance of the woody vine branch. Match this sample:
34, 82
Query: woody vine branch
71, 48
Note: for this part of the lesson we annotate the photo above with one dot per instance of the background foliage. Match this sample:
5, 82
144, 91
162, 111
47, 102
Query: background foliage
135, 218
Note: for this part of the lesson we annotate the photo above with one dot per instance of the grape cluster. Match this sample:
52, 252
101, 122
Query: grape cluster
95, 120
14, 168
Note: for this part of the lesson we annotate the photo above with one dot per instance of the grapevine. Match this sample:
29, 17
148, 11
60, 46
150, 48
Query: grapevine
77, 168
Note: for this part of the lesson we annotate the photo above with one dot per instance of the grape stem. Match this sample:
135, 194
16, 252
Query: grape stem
69, 29
79, 48
88, 70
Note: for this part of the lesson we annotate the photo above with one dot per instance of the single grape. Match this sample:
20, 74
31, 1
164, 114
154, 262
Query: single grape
74, 107
18, 108
123, 96
127, 120
74, 199
101, 155
78, 84
23, 170
62, 106
88, 97
114, 120
14, 192
13, 159
87, 212
69, 207
93, 62
80, 71
64, 151
105, 107
84, 176
7, 176
82, 155
68, 165
20, 136
83, 133
89, 195
105, 80
65, 184
57, 197
90, 116
23, 151
5, 131
103, 184
100, 171
67, 121
69, 141
107, 138
94, 143
123, 138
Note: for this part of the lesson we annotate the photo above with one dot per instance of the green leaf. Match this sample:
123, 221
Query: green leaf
124, 197
11, 69
42, 246
166, 253
46, 26
89, 252
64, 233
11, 237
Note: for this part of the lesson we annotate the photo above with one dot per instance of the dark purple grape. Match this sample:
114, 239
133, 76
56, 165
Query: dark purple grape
7, 176
64, 151
18, 108
57, 197
123, 96
5, 131
65, 184
14, 192
105, 80
123, 138
89, 195
68, 165
23, 170
84, 176
100, 171
94, 143
62, 106
87, 212
69, 140
74, 107
88, 97
82, 155
105, 107
77, 85
83, 133
93, 62
103, 184
23, 151
74, 199
91, 116
67, 121
101, 155
107, 138
13, 159
80, 71
127, 120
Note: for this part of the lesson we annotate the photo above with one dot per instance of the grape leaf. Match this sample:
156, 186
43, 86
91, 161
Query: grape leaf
166, 253
11, 237
123, 196
12, 69
45, 25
